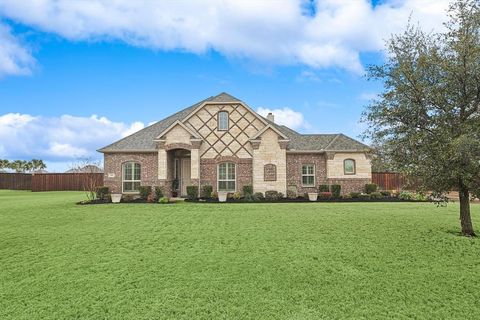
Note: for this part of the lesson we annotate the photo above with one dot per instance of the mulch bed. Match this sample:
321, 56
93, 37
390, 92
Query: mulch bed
299, 200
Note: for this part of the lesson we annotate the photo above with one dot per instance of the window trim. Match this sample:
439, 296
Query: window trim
133, 175
218, 120
308, 175
218, 176
354, 167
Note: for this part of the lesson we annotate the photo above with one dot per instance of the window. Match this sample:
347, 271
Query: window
308, 175
131, 177
222, 121
349, 166
226, 177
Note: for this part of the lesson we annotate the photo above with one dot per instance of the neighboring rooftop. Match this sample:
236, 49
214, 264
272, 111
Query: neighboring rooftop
143, 140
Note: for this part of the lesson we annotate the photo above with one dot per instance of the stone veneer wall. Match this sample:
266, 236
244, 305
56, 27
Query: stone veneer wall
113, 165
208, 171
295, 161
269, 152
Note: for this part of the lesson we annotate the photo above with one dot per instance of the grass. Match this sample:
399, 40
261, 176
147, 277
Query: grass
251, 261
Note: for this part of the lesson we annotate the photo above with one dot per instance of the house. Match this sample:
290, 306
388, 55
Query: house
222, 142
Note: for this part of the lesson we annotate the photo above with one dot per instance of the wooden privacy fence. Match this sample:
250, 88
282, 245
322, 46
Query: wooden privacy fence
49, 181
64, 181
16, 181
389, 180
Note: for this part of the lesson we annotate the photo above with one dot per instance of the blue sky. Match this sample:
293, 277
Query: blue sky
71, 82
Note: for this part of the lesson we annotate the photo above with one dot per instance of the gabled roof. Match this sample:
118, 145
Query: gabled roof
144, 140
181, 124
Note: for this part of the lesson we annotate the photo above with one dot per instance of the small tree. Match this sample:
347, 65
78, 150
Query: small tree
89, 170
428, 116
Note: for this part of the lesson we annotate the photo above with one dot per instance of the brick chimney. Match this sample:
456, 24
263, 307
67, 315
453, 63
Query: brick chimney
271, 117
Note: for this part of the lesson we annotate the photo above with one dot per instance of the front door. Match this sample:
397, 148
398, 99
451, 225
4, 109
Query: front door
186, 176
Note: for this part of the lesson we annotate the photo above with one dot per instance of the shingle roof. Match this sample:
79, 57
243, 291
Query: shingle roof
143, 140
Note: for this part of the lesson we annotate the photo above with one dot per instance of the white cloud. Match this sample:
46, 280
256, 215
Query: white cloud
286, 116
64, 138
15, 59
274, 32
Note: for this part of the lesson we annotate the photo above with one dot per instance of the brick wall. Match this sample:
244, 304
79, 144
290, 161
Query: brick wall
208, 171
113, 166
351, 184
294, 170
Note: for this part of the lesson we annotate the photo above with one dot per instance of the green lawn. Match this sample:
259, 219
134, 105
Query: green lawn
234, 261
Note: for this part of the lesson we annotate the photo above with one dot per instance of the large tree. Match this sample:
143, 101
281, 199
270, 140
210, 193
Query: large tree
428, 115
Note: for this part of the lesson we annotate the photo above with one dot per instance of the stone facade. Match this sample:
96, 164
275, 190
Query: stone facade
113, 169
259, 151
269, 152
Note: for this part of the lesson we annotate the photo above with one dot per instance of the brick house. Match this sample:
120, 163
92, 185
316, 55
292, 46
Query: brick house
222, 142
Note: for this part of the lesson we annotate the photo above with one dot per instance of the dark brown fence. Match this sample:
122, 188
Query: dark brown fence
389, 180
16, 181
64, 181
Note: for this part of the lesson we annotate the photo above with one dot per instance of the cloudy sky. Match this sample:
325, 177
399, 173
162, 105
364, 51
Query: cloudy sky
78, 75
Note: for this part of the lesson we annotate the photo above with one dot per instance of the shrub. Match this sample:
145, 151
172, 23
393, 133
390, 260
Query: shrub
163, 200
347, 196
336, 189
102, 192
247, 190
206, 191
355, 195
237, 195
273, 195
192, 192
158, 192
370, 187
405, 195
248, 198
144, 192
386, 193
214, 195
258, 196
364, 196
376, 195
127, 198
323, 188
325, 195
421, 196
151, 198
291, 194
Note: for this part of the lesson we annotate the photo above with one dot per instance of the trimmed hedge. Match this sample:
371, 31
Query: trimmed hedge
207, 191
273, 195
144, 191
192, 192
336, 190
158, 192
247, 190
102, 192
323, 188
370, 188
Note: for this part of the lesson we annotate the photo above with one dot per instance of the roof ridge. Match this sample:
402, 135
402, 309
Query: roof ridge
155, 123
330, 143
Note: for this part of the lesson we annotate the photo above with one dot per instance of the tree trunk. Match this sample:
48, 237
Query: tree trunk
465, 218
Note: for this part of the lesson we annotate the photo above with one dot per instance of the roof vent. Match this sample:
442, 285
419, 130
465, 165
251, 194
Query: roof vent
271, 117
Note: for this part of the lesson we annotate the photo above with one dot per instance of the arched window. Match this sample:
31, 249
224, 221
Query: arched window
349, 166
226, 177
222, 121
131, 176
